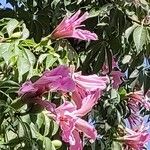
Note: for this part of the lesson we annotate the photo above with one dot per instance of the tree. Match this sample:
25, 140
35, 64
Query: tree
116, 95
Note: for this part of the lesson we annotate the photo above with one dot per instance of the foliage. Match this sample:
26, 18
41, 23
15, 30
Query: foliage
123, 28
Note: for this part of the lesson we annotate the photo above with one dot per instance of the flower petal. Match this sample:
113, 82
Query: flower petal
87, 129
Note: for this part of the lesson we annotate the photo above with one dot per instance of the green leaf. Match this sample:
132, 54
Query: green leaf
122, 92
116, 146
134, 74
25, 62
16, 141
16, 35
47, 144
139, 37
47, 125
50, 60
12, 24
41, 58
25, 32
54, 3
54, 127
100, 61
40, 120
130, 30
30, 57
6, 51
109, 59
101, 11
114, 94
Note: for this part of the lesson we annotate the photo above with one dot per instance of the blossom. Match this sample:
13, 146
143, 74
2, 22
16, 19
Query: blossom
136, 97
70, 28
71, 125
58, 79
87, 103
88, 86
116, 77
135, 139
135, 101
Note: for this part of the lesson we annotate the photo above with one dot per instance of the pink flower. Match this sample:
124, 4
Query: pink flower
58, 79
135, 101
71, 125
88, 88
135, 139
116, 78
136, 97
70, 28
87, 103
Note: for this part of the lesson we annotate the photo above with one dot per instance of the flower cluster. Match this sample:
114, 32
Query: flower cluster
135, 135
79, 94
136, 100
135, 139
84, 92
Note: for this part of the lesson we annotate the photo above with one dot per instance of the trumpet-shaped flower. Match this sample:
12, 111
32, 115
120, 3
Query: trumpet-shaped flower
135, 101
135, 139
58, 79
71, 125
87, 87
70, 28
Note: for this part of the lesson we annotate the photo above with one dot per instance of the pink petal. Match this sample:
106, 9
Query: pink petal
27, 87
91, 82
78, 143
60, 70
87, 129
87, 103
82, 18
116, 75
66, 106
74, 17
69, 28
67, 125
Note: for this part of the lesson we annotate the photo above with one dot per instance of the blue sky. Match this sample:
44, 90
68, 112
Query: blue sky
4, 5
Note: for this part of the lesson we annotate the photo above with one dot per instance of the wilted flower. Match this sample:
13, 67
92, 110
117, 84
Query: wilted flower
70, 28
71, 125
135, 139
